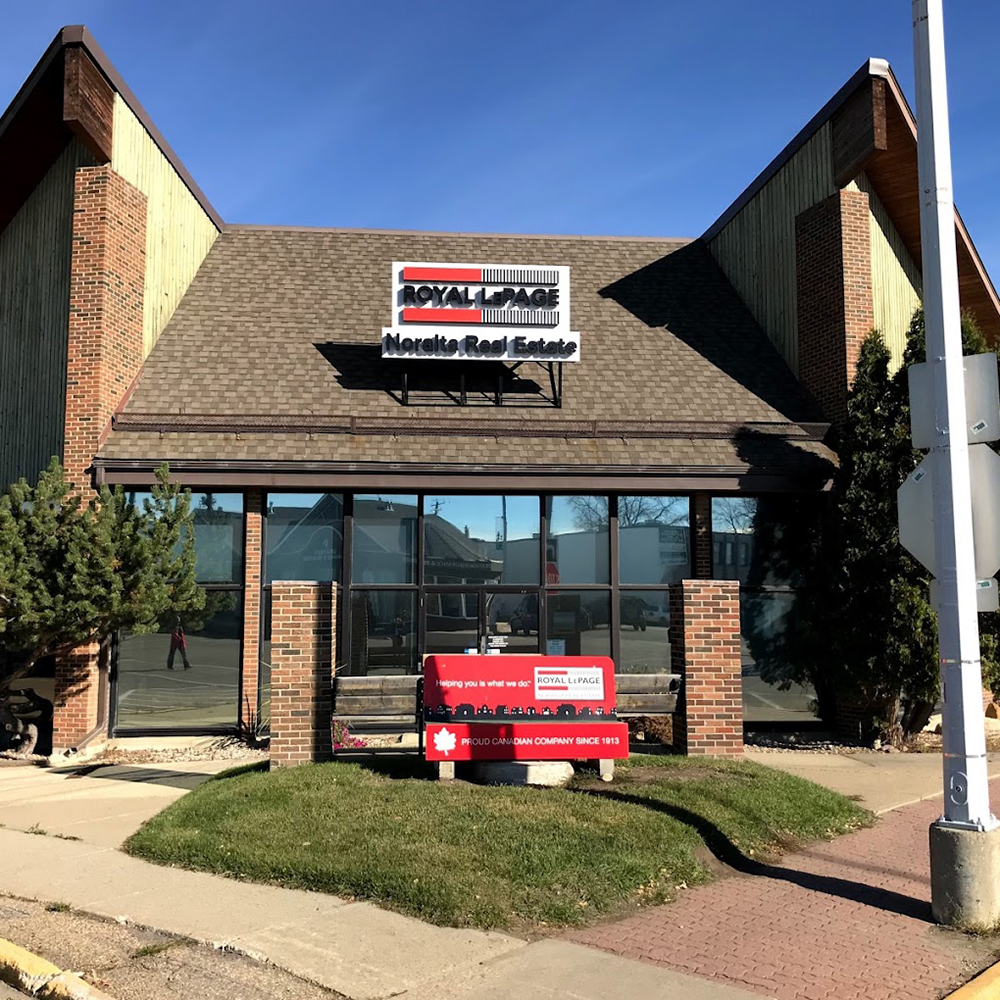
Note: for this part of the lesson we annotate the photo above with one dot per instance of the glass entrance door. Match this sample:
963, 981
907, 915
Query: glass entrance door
510, 621
479, 619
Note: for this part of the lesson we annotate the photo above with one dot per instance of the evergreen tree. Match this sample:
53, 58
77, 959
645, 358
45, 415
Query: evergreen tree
863, 632
72, 573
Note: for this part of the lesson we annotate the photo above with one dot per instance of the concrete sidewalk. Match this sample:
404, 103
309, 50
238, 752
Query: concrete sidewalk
879, 781
100, 804
355, 948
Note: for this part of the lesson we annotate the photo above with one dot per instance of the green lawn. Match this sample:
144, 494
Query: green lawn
469, 855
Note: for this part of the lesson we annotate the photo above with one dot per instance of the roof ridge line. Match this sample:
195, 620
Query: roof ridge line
353, 230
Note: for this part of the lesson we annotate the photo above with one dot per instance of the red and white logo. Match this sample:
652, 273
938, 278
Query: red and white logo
569, 683
507, 312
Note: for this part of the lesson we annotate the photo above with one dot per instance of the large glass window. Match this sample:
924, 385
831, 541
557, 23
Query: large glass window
654, 539
579, 623
643, 639
481, 539
385, 539
304, 536
383, 632
578, 540
218, 535
450, 572
756, 540
186, 675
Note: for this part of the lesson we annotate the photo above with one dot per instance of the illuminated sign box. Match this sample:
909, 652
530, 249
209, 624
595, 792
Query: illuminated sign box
480, 312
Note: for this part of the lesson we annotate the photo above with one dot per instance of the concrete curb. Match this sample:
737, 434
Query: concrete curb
985, 986
26, 971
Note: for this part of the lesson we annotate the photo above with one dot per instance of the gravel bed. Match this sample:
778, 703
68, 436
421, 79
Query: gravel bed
225, 748
806, 743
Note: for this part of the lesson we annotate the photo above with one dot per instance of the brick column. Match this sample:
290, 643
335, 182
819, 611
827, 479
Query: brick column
705, 649
701, 531
303, 638
77, 696
253, 500
104, 353
835, 308
107, 276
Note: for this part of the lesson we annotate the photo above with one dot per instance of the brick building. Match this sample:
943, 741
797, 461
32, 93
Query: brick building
359, 505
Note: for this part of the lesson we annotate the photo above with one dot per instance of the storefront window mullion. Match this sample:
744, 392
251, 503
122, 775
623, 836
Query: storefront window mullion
615, 576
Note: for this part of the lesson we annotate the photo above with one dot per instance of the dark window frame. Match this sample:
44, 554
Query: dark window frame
614, 588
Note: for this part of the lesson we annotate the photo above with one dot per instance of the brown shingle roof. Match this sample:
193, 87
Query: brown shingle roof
283, 327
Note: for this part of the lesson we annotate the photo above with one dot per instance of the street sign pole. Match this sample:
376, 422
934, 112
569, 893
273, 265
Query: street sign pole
967, 820
966, 792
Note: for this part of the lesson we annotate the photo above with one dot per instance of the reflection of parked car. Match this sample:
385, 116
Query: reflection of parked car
633, 613
525, 617
656, 614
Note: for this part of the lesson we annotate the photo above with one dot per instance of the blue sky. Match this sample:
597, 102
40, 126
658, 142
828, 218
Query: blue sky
563, 117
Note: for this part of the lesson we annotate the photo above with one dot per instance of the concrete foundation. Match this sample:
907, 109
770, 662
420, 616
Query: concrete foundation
548, 773
965, 877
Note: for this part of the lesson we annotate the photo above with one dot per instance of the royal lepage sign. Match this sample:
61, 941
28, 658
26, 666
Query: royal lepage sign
521, 707
480, 312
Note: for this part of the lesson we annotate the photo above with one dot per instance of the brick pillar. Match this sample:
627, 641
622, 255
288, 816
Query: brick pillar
254, 500
834, 291
705, 649
107, 276
701, 529
104, 353
77, 696
302, 643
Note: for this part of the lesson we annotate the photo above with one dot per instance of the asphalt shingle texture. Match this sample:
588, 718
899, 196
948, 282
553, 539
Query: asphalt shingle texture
287, 323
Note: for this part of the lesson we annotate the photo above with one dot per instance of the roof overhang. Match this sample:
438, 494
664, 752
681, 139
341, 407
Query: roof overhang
406, 477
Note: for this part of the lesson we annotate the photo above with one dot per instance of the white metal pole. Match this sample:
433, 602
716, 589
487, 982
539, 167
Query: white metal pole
966, 793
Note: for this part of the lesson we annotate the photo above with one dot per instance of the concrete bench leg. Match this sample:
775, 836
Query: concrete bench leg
446, 770
606, 768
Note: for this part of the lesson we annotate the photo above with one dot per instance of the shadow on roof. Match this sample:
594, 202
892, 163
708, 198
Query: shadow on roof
687, 293
361, 367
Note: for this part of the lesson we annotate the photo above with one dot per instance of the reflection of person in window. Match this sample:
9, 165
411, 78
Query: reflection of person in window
178, 644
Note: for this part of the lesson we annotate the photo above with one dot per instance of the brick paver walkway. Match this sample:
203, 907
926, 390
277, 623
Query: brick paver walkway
849, 919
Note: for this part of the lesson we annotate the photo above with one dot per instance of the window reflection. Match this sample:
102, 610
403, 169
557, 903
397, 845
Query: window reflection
452, 622
579, 623
304, 536
218, 534
644, 632
654, 539
578, 540
383, 632
764, 617
185, 675
385, 538
481, 539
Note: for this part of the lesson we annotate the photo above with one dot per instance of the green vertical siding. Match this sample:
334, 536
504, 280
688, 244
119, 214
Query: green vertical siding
896, 281
756, 248
34, 318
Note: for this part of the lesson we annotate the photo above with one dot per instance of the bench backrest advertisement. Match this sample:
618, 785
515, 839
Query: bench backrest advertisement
521, 707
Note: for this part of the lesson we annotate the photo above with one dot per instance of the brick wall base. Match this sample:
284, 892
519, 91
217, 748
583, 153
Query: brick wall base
303, 638
251, 608
705, 648
80, 676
